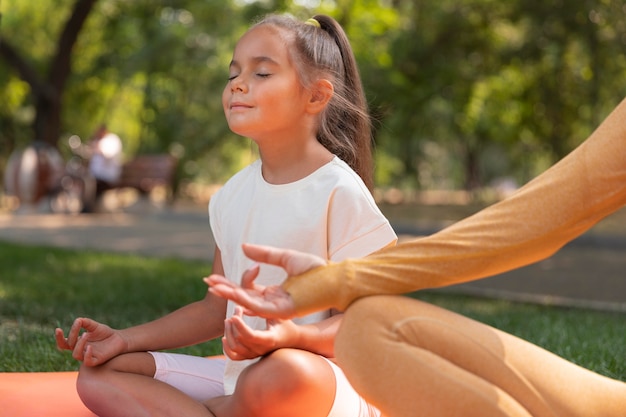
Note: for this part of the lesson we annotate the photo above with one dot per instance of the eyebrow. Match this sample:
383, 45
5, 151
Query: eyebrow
255, 60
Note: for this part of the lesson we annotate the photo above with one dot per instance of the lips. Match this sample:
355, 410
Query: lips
239, 106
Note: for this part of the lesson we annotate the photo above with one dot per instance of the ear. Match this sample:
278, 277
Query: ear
321, 93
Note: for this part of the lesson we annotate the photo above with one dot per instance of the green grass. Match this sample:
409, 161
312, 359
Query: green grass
42, 288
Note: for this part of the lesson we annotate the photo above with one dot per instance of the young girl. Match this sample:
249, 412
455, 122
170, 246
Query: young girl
294, 89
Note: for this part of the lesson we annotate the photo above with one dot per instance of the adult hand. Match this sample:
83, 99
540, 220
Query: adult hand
96, 345
271, 301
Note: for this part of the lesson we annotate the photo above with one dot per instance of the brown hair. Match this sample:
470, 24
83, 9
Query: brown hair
325, 51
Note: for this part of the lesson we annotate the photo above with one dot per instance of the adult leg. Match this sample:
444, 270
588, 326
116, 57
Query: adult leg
411, 358
284, 381
124, 386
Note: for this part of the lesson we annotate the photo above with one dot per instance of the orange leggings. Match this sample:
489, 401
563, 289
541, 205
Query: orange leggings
410, 358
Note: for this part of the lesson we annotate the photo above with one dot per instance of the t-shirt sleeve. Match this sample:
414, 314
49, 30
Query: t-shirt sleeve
356, 226
541, 217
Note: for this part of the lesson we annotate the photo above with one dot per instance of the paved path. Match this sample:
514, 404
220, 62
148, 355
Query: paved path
589, 272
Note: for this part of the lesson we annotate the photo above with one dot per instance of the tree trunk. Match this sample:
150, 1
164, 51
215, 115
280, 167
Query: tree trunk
472, 171
47, 91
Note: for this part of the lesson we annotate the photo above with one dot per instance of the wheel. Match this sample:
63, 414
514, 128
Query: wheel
69, 197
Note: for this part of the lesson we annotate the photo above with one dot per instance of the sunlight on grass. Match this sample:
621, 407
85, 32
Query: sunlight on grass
46, 288
43, 288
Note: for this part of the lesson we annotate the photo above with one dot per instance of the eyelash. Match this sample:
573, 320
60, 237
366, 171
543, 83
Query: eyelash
262, 75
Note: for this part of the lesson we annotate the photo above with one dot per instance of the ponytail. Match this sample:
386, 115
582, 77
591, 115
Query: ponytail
323, 50
346, 124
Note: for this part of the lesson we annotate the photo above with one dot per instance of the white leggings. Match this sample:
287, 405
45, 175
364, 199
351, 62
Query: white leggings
202, 378
199, 377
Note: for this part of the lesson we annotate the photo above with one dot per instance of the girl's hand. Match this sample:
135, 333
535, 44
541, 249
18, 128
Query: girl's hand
96, 345
242, 342
272, 301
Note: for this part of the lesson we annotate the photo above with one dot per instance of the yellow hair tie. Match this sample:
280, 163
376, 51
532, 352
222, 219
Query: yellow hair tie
313, 22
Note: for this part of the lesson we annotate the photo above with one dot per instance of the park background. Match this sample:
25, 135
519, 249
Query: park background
468, 96
470, 99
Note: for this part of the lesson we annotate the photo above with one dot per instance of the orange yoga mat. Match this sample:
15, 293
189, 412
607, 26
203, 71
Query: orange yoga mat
40, 394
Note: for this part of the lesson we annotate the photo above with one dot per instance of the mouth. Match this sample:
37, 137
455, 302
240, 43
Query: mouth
239, 106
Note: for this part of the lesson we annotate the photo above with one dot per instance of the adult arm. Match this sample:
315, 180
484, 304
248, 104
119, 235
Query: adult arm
545, 214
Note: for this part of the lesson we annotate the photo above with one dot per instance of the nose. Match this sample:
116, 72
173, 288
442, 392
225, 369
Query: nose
238, 84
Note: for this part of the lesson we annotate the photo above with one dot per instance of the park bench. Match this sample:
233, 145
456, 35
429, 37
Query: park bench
145, 173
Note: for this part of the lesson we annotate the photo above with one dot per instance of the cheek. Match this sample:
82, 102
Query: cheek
225, 97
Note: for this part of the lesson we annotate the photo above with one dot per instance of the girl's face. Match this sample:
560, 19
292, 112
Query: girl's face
264, 94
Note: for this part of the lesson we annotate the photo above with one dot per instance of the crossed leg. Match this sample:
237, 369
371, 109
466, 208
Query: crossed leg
411, 358
280, 383
284, 381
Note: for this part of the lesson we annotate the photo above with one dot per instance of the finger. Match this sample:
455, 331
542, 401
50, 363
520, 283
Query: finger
238, 311
220, 286
236, 351
236, 294
215, 279
249, 275
242, 338
74, 333
89, 324
81, 346
293, 262
89, 358
264, 254
224, 291
232, 348
228, 351
240, 329
61, 341
234, 327
228, 338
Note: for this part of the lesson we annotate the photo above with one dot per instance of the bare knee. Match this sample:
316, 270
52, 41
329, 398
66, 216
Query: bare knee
296, 379
92, 379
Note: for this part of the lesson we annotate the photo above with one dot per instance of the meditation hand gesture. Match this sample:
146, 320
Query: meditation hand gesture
272, 301
240, 341
96, 345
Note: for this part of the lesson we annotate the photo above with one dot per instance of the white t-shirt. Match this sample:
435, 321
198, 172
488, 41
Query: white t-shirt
106, 163
329, 213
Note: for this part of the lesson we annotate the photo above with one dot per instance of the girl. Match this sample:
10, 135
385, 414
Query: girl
294, 89
405, 355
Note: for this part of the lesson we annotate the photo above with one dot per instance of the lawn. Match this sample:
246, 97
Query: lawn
43, 287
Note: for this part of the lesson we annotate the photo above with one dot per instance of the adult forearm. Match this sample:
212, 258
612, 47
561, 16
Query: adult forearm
531, 225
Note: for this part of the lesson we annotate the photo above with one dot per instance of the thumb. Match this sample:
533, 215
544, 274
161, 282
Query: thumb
247, 280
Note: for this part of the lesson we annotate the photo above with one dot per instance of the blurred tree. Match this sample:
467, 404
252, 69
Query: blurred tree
523, 80
48, 85
462, 91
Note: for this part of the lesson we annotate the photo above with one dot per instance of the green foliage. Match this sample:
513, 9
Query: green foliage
525, 77
497, 88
